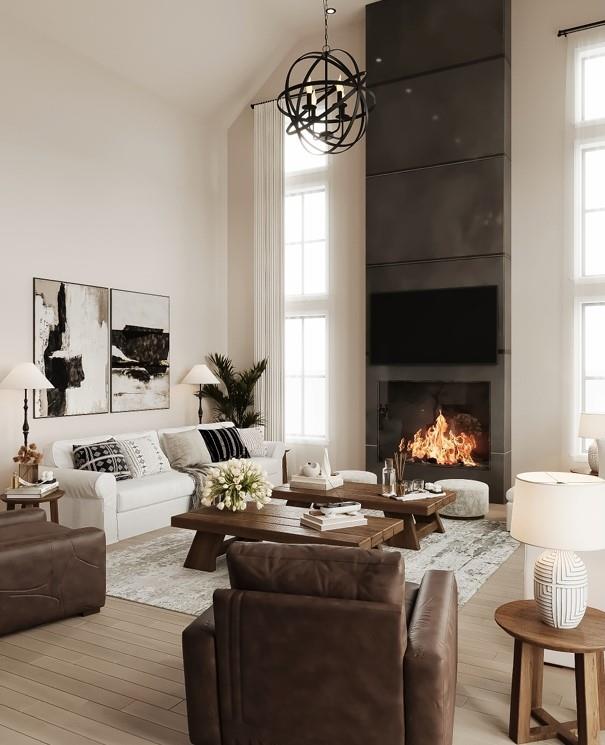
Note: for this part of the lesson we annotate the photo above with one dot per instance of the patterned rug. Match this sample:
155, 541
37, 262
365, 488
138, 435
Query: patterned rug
152, 572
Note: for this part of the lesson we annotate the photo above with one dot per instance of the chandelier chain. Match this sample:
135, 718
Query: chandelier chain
326, 44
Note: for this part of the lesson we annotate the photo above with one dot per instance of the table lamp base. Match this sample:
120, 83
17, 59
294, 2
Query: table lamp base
561, 588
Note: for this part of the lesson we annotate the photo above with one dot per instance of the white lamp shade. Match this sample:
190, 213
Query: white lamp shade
592, 426
564, 511
201, 375
26, 376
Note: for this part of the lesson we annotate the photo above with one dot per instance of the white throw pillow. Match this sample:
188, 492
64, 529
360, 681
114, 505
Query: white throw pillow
253, 439
144, 456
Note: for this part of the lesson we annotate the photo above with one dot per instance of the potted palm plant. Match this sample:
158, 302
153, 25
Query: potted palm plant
236, 402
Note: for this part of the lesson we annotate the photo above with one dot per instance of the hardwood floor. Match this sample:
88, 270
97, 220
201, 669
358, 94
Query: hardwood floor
116, 678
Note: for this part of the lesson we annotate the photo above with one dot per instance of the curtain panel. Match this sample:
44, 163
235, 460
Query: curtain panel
269, 264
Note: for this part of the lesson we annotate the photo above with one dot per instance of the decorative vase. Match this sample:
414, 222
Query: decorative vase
561, 588
28, 473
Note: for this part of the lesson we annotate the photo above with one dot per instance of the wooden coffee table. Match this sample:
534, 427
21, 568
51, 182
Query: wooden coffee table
521, 619
420, 517
273, 523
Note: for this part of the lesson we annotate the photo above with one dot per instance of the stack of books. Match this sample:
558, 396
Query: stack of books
318, 521
319, 483
33, 492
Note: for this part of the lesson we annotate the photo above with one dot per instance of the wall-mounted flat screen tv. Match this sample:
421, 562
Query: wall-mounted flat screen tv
434, 327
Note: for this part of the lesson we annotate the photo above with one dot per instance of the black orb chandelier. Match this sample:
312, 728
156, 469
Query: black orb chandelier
325, 98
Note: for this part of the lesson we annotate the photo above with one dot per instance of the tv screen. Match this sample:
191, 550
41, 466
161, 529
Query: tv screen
428, 327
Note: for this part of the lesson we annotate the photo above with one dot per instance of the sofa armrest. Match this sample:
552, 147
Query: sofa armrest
275, 449
430, 663
201, 681
21, 516
86, 484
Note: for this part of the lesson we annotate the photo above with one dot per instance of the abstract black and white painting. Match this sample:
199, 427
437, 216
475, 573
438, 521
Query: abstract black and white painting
140, 346
71, 347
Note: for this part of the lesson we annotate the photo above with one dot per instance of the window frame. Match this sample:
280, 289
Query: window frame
587, 289
309, 306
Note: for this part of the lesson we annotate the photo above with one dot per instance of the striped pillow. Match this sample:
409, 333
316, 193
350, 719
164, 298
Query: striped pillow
224, 444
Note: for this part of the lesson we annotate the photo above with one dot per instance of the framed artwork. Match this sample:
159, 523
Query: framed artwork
71, 347
140, 351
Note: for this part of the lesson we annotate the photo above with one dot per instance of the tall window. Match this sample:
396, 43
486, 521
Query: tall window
589, 228
306, 253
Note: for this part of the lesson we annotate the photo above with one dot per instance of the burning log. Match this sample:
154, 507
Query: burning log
438, 444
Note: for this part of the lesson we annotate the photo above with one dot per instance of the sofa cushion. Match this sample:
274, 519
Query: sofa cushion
254, 440
186, 449
161, 487
145, 456
224, 444
102, 457
322, 571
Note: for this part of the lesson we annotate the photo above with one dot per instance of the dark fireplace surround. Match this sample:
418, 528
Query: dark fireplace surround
438, 217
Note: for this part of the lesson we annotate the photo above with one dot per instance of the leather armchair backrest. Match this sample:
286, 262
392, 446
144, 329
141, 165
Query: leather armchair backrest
321, 571
300, 670
21, 516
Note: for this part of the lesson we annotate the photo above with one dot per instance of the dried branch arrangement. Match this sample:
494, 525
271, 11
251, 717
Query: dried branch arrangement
29, 456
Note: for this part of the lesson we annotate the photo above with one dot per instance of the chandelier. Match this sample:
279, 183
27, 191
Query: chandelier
325, 98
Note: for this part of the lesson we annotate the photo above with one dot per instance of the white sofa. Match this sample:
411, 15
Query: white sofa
127, 508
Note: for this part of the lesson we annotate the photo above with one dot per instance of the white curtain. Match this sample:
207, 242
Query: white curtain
268, 264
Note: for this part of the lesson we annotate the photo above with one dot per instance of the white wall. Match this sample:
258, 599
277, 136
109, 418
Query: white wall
103, 183
541, 388
347, 215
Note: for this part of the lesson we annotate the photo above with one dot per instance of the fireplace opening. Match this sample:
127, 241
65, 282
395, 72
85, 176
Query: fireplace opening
442, 423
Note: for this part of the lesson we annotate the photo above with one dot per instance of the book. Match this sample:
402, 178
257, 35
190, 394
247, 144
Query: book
319, 483
42, 490
318, 521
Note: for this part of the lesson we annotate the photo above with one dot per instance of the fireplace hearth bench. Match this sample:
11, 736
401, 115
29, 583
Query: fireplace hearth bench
420, 517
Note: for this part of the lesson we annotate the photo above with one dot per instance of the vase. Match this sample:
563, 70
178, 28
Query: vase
28, 473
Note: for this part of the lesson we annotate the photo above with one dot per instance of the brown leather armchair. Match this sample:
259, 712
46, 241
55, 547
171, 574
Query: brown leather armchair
47, 571
319, 645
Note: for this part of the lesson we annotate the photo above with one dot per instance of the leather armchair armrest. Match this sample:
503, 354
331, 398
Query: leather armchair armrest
201, 682
22, 516
431, 660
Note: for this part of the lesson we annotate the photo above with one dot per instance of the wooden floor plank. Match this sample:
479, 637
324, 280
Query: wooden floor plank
116, 678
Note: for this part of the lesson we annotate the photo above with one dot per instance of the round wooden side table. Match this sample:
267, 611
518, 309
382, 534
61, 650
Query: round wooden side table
51, 498
522, 621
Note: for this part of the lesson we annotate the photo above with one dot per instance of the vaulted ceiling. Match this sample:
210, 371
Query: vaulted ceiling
199, 54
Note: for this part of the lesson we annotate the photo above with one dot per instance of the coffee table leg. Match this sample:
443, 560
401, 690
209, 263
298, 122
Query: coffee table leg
521, 693
408, 538
204, 550
587, 698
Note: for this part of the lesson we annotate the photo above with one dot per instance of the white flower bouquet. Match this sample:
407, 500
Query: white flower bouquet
232, 485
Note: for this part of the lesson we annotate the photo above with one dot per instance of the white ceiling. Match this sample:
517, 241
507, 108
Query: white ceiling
199, 54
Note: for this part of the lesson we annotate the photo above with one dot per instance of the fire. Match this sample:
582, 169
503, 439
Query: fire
441, 446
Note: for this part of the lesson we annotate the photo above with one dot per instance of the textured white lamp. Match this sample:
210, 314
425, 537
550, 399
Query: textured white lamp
592, 427
562, 512
200, 375
24, 377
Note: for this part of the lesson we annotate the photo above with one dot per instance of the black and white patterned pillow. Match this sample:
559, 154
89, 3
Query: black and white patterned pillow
224, 444
102, 457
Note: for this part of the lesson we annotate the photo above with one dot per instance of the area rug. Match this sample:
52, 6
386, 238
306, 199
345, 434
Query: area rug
152, 572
